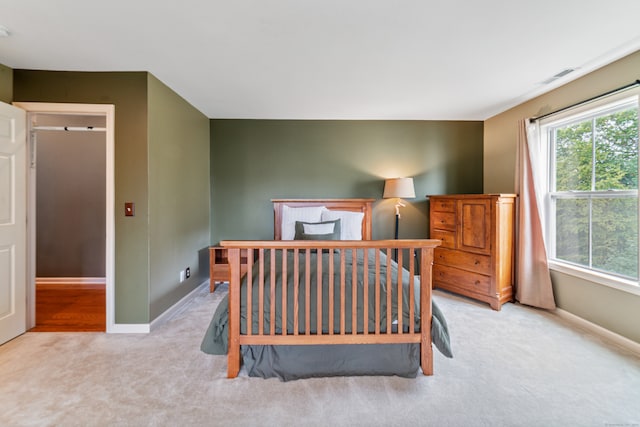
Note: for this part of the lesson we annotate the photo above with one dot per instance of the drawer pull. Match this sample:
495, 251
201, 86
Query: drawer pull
477, 262
477, 282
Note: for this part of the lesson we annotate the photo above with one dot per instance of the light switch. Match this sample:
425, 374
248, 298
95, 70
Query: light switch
129, 209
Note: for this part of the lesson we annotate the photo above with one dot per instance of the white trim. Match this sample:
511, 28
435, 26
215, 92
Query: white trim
604, 279
129, 328
110, 251
175, 308
70, 280
581, 323
108, 110
31, 236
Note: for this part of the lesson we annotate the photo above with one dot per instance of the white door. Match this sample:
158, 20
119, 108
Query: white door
13, 239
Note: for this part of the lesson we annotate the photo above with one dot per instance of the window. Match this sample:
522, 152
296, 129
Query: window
591, 202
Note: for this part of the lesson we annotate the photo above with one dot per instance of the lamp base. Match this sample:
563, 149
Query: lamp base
395, 251
397, 225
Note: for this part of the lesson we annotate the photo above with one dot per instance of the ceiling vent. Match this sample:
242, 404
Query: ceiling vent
557, 76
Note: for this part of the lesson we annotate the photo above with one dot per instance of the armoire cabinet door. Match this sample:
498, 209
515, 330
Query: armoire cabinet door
474, 232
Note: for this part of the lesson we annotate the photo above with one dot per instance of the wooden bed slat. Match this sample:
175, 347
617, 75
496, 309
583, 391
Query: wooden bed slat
272, 295
307, 293
296, 291
377, 288
319, 297
354, 291
331, 292
260, 292
365, 295
342, 292
399, 313
285, 270
412, 298
389, 294
250, 293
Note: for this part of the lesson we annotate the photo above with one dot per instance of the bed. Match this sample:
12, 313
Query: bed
323, 299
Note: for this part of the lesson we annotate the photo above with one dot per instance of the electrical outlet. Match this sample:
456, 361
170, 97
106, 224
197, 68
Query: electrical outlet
182, 274
187, 272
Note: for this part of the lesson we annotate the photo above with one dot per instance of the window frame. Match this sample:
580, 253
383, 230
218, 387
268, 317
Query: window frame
593, 108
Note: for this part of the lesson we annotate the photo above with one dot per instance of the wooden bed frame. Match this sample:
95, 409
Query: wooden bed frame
255, 251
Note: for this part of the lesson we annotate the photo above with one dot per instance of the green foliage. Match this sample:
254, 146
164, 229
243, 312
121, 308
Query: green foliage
599, 154
617, 151
612, 148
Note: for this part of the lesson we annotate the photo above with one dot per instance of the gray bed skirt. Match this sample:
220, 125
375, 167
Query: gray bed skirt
307, 361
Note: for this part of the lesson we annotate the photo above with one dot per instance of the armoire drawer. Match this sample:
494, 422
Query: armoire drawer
443, 205
443, 220
448, 238
463, 260
472, 281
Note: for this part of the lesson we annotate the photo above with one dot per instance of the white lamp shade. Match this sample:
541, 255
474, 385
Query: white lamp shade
399, 187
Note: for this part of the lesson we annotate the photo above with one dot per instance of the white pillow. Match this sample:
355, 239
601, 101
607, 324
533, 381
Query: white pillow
350, 223
291, 215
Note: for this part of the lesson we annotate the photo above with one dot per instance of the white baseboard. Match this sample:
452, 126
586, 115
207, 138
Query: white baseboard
619, 340
166, 315
70, 280
133, 328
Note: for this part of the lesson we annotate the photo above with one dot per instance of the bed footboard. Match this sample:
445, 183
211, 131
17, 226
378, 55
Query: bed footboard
319, 300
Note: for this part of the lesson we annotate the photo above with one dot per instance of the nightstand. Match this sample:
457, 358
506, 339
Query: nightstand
219, 266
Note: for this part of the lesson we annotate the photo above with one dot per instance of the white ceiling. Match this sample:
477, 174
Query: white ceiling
329, 59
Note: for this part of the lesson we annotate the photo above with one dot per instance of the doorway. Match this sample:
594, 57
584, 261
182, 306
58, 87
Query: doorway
70, 211
70, 221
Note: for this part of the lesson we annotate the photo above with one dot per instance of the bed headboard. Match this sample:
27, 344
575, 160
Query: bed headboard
354, 205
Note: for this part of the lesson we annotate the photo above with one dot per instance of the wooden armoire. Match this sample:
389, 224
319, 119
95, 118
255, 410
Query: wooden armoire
476, 258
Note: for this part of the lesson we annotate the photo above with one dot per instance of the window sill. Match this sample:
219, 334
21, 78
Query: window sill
620, 284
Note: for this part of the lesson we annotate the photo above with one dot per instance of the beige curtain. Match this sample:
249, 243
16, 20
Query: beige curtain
533, 282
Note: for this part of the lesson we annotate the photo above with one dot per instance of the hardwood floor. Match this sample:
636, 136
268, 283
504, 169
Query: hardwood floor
70, 308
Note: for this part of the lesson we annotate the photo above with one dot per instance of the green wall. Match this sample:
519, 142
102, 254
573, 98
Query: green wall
145, 140
6, 84
178, 195
253, 161
610, 308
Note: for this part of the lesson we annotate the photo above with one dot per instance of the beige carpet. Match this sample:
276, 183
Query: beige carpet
517, 367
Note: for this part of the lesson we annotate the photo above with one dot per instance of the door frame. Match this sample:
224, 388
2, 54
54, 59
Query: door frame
108, 111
